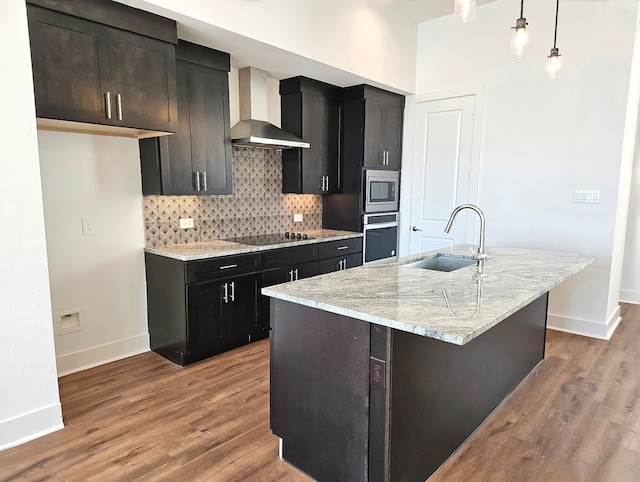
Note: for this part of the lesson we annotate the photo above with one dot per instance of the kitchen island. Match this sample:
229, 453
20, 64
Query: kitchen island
379, 373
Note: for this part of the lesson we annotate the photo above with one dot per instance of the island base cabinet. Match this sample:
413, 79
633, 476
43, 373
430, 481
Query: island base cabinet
320, 391
354, 401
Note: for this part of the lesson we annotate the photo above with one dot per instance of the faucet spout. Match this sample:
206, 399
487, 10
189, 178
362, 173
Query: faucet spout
482, 254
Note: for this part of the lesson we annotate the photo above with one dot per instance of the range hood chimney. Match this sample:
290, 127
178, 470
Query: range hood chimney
253, 130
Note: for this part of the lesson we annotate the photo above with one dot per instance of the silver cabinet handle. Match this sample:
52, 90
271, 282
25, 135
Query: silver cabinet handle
387, 158
340, 248
107, 105
415, 228
325, 184
196, 176
204, 180
119, 106
225, 297
297, 274
291, 275
344, 263
233, 291
228, 266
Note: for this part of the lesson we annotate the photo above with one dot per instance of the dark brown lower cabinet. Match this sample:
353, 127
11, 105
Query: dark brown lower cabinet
354, 401
197, 309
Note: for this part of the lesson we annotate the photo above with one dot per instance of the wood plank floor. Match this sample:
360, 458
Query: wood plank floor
575, 418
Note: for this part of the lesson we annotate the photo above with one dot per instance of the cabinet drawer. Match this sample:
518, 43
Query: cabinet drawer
289, 273
209, 269
340, 263
289, 256
342, 247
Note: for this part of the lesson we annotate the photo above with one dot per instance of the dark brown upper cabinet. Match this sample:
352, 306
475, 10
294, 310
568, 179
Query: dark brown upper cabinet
372, 128
197, 159
93, 68
311, 110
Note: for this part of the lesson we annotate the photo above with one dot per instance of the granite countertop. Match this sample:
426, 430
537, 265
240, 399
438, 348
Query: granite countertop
219, 247
454, 307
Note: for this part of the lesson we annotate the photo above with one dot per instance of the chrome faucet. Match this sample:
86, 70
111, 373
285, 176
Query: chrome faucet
482, 254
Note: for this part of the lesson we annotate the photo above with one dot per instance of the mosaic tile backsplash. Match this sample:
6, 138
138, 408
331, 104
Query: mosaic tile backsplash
257, 205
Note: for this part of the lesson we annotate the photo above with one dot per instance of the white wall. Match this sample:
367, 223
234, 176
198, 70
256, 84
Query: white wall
543, 139
100, 275
29, 401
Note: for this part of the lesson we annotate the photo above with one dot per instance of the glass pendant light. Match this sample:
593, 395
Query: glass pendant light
464, 11
554, 64
520, 35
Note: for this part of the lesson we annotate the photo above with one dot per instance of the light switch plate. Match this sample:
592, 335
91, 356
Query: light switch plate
297, 218
186, 223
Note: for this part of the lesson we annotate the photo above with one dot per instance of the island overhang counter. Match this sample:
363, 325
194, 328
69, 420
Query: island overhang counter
380, 372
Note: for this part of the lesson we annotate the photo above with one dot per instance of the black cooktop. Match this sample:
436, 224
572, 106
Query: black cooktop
271, 238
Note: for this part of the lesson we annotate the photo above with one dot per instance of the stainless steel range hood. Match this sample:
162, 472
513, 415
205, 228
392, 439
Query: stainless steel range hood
254, 130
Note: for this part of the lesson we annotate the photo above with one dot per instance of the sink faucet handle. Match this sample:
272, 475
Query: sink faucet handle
477, 254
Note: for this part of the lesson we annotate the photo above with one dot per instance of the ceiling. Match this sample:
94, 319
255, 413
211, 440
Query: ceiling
422, 10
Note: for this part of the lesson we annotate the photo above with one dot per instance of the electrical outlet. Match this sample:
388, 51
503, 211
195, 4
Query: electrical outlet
88, 226
297, 218
186, 223
586, 197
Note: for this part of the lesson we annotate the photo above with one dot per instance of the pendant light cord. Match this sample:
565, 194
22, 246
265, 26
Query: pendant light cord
555, 31
521, 8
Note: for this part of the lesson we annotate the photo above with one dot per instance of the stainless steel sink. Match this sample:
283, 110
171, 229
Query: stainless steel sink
443, 262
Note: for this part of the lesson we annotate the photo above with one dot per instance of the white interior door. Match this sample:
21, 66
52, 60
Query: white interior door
445, 173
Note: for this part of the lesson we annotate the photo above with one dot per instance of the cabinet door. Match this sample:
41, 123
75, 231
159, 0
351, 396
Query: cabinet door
205, 332
317, 120
174, 151
313, 131
210, 129
330, 160
143, 75
373, 155
70, 59
239, 315
391, 136
221, 314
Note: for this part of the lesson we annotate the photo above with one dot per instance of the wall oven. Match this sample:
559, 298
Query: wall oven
380, 237
381, 191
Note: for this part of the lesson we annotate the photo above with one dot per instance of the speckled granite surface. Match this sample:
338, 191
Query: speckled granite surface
454, 307
218, 247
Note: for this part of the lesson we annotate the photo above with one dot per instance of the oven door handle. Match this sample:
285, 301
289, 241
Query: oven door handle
380, 225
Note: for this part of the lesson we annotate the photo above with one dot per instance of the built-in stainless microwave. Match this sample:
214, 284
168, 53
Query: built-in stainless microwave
381, 189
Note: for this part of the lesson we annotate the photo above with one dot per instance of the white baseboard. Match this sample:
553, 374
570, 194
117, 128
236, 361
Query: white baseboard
585, 327
30, 426
99, 355
628, 296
